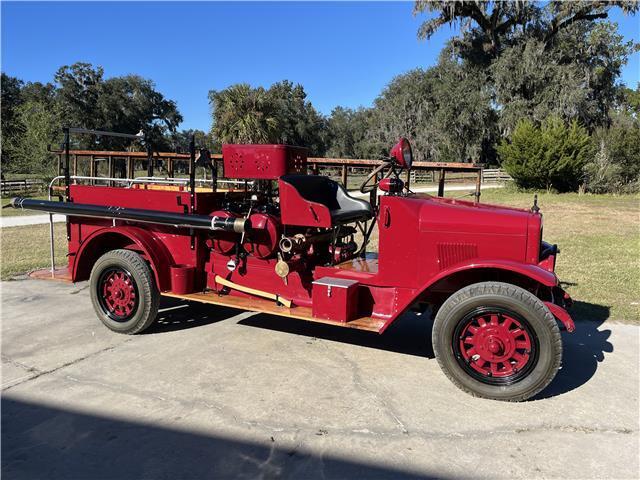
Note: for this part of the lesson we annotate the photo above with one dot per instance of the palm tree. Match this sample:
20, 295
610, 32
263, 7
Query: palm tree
243, 115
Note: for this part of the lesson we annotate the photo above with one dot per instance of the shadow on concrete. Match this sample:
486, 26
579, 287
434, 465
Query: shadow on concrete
583, 350
175, 314
43, 442
409, 335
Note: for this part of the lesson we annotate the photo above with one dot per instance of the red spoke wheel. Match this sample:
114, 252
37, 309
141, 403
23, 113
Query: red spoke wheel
119, 294
497, 340
495, 346
123, 292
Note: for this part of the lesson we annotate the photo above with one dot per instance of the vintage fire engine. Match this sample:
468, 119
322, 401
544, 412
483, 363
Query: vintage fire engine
291, 244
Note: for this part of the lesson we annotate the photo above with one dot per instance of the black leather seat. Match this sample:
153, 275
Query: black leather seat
342, 206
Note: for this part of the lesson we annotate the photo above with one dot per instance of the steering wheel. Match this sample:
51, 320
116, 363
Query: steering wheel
387, 165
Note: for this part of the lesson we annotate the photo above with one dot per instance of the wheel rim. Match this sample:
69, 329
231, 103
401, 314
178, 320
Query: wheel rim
496, 346
118, 294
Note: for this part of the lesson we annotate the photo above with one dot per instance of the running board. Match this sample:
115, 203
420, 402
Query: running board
266, 306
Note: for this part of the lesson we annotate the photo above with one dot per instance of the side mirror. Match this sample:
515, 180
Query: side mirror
402, 153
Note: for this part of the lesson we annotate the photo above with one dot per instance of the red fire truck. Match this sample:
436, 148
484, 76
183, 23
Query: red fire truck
291, 244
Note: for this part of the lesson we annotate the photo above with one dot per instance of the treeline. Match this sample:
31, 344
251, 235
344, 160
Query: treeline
532, 87
33, 115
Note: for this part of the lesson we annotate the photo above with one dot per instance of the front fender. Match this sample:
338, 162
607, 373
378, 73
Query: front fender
99, 241
534, 272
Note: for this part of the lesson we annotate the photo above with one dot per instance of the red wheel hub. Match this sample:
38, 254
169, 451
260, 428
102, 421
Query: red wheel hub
119, 293
495, 345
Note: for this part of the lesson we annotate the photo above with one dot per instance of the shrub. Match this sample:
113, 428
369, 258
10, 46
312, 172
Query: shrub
615, 168
549, 156
602, 175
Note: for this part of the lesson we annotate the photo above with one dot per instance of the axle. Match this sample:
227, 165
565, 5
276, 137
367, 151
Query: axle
179, 220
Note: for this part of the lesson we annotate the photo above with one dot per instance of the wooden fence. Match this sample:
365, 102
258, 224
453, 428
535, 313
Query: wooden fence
12, 186
116, 164
494, 175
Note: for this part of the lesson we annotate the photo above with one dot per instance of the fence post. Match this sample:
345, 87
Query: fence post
441, 183
111, 175
344, 176
92, 168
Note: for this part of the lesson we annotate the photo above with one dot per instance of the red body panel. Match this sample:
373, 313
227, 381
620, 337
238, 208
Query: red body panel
296, 210
423, 241
267, 162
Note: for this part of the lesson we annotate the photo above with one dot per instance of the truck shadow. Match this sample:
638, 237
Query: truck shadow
409, 335
583, 350
175, 314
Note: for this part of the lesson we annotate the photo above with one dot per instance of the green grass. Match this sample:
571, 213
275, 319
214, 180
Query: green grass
598, 235
13, 212
27, 248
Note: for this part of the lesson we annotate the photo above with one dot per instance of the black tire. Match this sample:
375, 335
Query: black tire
533, 321
136, 303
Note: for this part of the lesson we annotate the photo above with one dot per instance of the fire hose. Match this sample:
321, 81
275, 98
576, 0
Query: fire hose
180, 220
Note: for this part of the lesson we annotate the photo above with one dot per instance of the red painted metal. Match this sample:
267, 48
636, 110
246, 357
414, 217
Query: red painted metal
296, 210
266, 230
402, 153
119, 293
562, 315
549, 263
428, 247
225, 242
182, 279
263, 161
495, 345
391, 185
335, 299
89, 240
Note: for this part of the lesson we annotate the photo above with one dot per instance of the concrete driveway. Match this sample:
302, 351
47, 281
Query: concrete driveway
218, 393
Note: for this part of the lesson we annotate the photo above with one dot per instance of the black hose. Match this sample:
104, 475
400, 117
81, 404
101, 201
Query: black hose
179, 220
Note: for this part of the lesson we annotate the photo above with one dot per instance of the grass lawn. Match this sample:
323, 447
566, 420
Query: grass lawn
598, 236
12, 212
27, 248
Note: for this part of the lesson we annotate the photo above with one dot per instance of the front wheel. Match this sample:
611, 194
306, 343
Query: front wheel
123, 292
498, 341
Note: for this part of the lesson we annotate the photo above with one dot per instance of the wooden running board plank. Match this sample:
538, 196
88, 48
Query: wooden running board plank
60, 274
266, 306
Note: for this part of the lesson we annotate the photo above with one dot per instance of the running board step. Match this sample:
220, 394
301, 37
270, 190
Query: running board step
266, 306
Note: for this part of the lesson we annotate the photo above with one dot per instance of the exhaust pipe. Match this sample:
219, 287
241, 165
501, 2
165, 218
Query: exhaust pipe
179, 220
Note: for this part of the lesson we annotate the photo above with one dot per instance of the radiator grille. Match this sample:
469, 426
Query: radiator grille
451, 253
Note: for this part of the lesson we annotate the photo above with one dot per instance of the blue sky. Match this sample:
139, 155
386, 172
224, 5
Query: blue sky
343, 53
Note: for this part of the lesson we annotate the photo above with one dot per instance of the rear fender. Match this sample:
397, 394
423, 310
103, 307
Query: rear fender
133, 238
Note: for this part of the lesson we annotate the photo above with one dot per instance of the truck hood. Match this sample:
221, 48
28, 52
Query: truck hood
451, 215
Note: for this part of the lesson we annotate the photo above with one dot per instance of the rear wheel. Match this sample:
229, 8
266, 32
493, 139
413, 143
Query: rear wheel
123, 292
498, 341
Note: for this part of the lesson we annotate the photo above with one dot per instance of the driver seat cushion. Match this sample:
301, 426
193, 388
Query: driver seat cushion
343, 208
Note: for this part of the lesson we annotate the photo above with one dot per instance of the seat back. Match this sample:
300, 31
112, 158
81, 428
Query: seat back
312, 200
316, 189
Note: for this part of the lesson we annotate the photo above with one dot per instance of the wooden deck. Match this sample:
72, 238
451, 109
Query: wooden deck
269, 307
60, 274
363, 265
